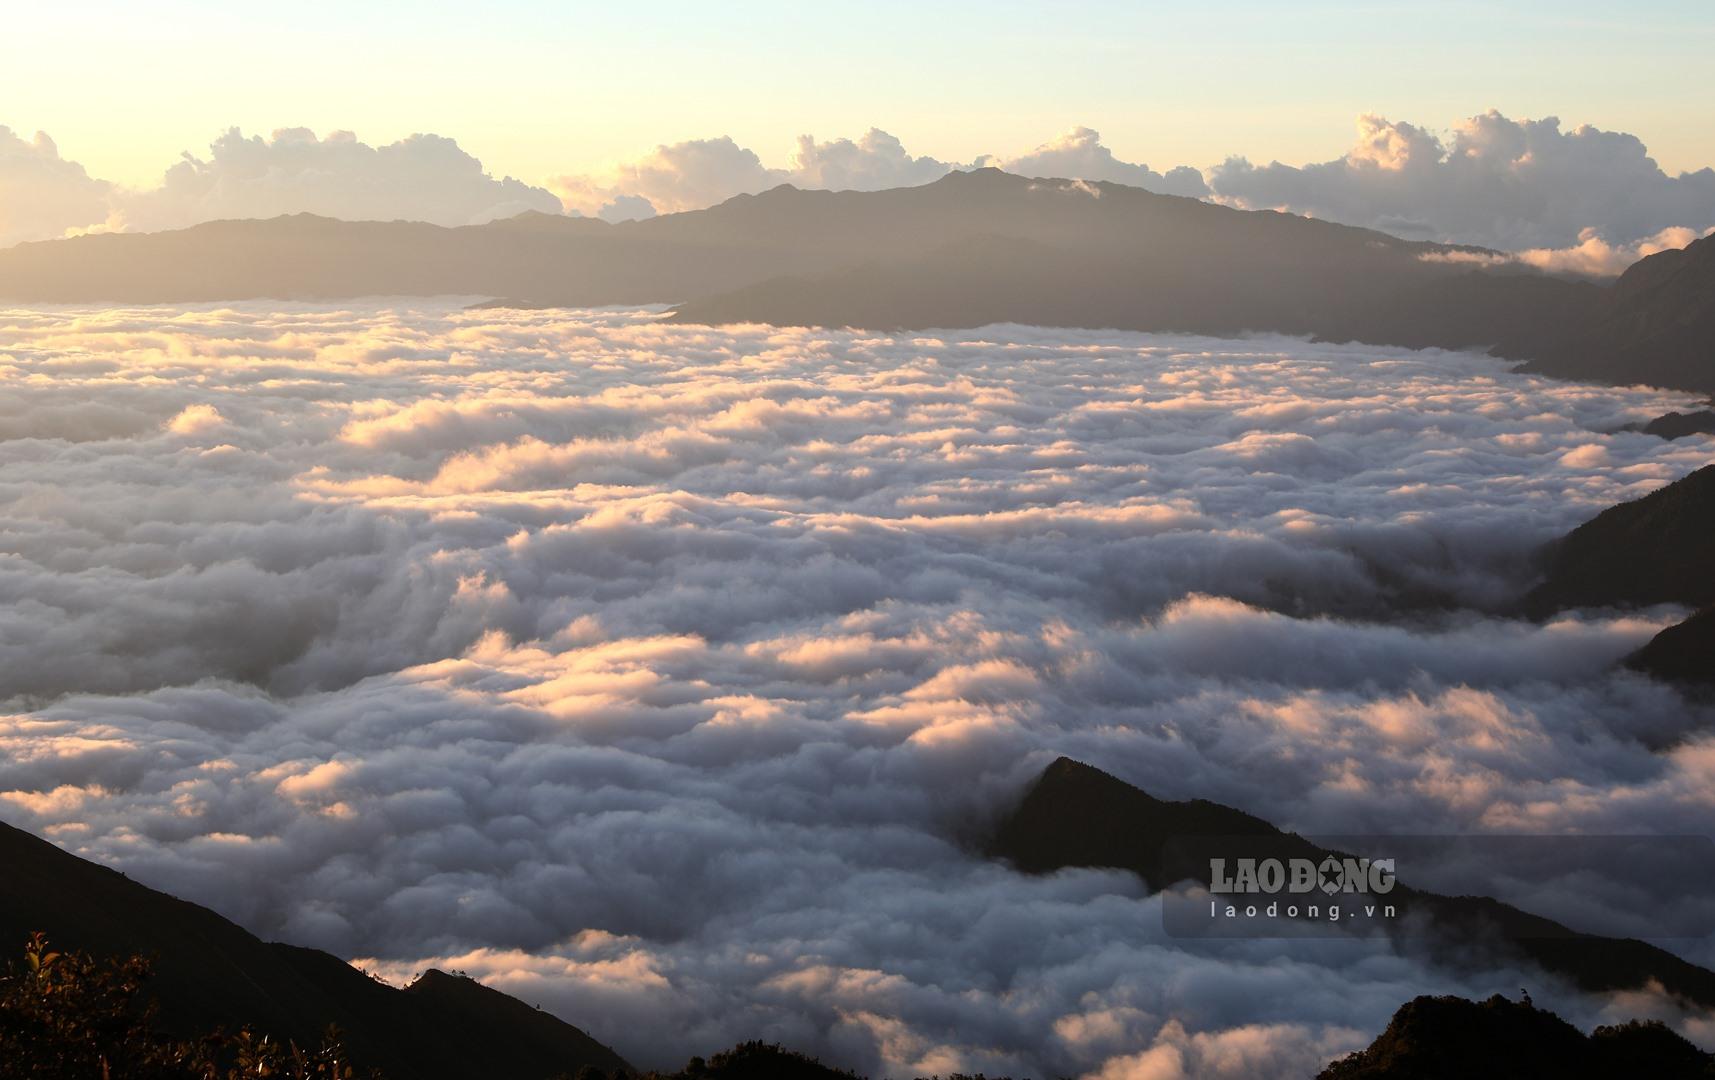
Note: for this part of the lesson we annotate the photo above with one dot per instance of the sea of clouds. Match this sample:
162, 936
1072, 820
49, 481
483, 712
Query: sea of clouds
669, 676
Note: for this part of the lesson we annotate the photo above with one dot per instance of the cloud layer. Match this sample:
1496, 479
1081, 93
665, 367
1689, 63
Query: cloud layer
663, 675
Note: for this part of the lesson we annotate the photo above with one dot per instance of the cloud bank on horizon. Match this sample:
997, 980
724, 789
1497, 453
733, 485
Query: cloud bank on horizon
1580, 200
658, 673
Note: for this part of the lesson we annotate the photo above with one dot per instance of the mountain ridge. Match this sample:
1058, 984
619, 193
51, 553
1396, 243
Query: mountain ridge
1076, 815
969, 249
211, 973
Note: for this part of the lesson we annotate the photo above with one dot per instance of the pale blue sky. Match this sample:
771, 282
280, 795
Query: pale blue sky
537, 89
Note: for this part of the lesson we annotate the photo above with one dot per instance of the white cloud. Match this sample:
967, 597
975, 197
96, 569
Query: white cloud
1079, 154
877, 160
702, 172
659, 673
1593, 256
420, 178
683, 176
1496, 182
42, 195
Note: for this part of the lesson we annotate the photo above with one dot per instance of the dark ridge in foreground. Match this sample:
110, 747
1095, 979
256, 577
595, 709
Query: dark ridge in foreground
209, 974
1438, 1038
1075, 815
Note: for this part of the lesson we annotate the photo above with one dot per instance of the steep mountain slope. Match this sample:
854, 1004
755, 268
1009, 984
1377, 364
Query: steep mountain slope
1655, 550
1683, 653
1659, 549
1431, 1038
1077, 815
1655, 325
211, 973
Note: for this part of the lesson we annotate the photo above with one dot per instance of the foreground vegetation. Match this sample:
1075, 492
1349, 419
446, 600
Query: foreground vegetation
69, 1015
66, 1015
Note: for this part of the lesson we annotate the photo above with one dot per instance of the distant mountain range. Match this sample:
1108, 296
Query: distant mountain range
210, 973
969, 249
1075, 815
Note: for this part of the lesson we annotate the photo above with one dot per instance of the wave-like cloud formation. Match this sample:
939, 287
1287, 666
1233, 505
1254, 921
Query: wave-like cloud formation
663, 674
1501, 183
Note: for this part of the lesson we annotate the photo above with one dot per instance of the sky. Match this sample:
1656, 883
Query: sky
536, 90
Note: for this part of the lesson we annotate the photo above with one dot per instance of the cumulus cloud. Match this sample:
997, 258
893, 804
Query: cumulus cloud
42, 195
1496, 182
420, 178
1593, 256
1079, 154
684, 176
663, 674
878, 160
701, 172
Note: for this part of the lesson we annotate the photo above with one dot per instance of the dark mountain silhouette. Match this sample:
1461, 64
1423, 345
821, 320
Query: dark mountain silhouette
210, 973
1437, 1038
1185, 250
969, 249
1677, 425
1683, 653
538, 258
972, 247
1158, 263
1077, 815
1655, 550
1123, 258
1655, 325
